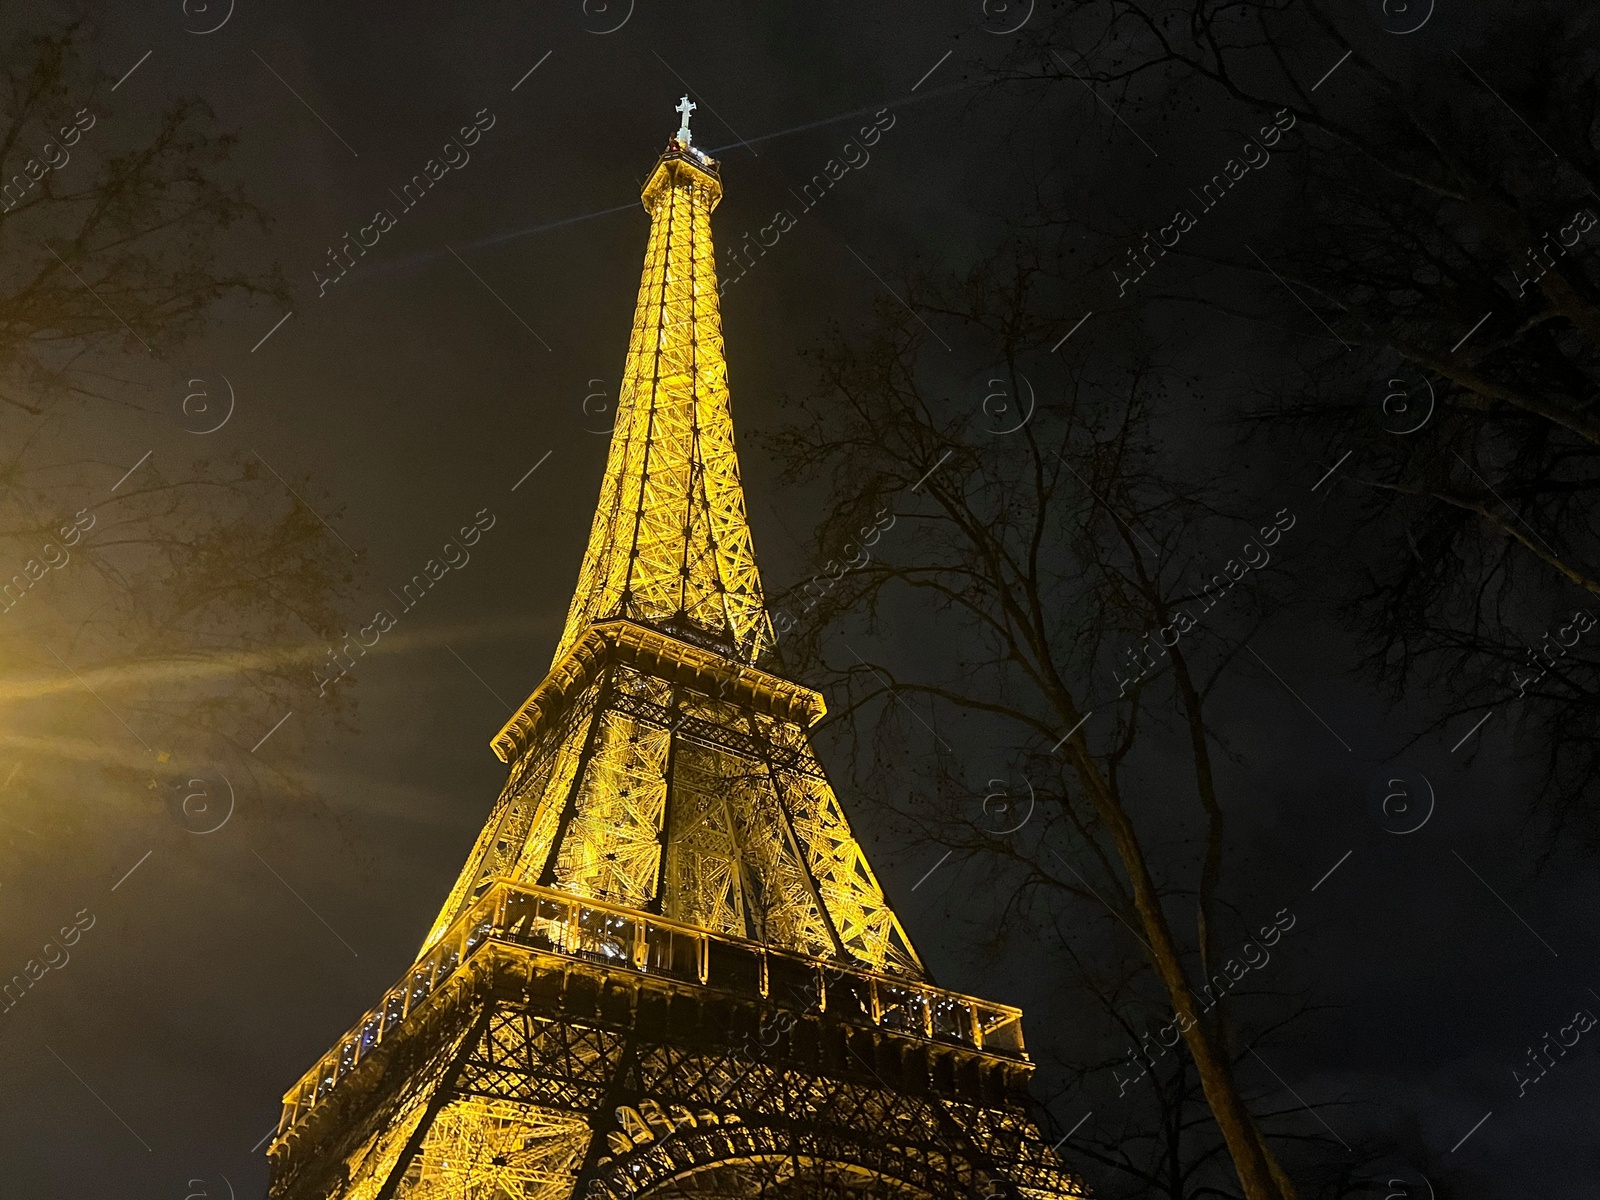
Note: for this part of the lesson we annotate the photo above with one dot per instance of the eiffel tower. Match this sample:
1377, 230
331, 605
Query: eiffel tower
667, 968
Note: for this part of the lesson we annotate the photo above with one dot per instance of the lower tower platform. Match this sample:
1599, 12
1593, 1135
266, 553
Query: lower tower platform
549, 1047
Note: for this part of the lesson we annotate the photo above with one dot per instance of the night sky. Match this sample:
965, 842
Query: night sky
463, 369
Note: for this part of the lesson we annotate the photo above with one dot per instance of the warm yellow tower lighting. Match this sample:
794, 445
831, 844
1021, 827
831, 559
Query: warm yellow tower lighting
667, 968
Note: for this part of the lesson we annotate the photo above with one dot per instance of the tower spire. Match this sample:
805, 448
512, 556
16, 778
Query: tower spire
670, 544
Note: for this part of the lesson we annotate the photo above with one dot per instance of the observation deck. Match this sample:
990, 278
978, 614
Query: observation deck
559, 927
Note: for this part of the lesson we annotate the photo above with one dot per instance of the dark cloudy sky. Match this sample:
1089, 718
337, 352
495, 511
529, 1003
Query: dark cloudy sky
483, 337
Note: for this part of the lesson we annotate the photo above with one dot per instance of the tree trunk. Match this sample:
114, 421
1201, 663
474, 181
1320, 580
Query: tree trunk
1260, 1175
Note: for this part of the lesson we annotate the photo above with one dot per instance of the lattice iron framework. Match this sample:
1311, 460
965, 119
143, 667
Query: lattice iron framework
670, 544
667, 968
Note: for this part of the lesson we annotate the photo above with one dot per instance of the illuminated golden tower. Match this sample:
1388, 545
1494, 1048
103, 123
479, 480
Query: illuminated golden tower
667, 968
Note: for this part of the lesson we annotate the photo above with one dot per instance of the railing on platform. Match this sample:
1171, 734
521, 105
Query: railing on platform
556, 922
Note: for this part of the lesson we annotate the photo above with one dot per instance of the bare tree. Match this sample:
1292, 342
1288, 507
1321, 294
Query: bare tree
103, 239
1440, 215
187, 605
1052, 572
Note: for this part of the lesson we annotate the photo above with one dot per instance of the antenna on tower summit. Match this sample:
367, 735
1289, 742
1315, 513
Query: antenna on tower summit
685, 106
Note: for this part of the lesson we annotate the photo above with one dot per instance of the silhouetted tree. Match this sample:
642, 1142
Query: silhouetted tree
189, 607
1050, 567
1439, 213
